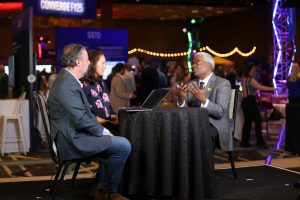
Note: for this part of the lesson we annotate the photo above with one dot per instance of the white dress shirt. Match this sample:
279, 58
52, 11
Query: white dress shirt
205, 83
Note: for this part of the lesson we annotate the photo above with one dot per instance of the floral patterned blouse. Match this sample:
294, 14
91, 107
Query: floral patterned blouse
97, 95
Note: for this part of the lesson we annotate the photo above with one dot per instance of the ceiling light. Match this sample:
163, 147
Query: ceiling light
193, 21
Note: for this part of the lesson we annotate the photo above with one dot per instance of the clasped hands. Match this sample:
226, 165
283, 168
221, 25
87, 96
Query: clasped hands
113, 120
192, 87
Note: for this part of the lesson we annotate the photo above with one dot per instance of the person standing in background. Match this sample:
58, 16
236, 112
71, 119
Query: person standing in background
149, 80
129, 80
52, 76
250, 107
119, 97
110, 77
162, 77
3, 83
230, 74
293, 84
44, 87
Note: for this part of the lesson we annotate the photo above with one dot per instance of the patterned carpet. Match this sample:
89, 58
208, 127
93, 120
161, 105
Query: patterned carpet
34, 164
40, 163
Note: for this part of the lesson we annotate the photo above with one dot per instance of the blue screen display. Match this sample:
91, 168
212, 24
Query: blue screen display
113, 42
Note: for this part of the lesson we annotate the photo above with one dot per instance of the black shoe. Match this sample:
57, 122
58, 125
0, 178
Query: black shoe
101, 195
117, 196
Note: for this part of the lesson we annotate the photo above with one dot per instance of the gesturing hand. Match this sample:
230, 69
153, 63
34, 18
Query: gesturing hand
197, 92
181, 90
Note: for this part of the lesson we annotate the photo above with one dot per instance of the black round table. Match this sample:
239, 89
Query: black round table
172, 153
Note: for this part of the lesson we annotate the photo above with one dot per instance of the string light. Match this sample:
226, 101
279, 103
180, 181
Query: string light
179, 54
246, 54
206, 48
235, 50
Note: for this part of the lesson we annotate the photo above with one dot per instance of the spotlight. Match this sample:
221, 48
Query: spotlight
41, 38
193, 21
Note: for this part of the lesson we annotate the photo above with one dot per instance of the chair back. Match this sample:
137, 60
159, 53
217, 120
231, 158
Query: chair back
42, 107
19, 105
233, 104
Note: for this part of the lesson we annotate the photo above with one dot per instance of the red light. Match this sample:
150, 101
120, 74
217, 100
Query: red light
11, 6
41, 38
40, 55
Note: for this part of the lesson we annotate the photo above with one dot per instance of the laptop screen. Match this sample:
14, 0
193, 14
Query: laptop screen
155, 98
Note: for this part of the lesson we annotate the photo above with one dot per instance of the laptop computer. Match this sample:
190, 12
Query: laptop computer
153, 100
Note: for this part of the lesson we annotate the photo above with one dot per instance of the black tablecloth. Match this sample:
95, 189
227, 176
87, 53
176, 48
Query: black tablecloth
171, 154
292, 138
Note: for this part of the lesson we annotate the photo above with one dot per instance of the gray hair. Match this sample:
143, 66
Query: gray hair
206, 57
70, 54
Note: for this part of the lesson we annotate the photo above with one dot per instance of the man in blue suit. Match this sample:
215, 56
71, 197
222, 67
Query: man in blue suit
74, 128
212, 93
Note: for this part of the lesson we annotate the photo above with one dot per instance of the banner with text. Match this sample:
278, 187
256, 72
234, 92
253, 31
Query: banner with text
113, 42
64, 8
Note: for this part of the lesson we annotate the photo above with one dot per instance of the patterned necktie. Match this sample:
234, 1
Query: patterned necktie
196, 102
201, 84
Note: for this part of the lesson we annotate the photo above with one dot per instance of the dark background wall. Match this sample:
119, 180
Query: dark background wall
222, 33
5, 38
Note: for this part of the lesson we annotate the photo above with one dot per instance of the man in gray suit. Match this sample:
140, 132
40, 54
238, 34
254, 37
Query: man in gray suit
212, 93
74, 128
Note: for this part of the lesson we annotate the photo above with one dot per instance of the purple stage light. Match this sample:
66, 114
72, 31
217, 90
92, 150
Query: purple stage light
284, 30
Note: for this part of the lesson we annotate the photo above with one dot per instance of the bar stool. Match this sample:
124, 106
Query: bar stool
16, 118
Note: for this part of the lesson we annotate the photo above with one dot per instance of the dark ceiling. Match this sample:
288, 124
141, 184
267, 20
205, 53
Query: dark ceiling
163, 9
194, 2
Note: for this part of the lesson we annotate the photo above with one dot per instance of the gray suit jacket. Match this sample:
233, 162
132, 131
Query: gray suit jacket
72, 124
218, 91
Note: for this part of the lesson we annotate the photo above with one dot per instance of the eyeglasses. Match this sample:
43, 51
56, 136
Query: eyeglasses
197, 62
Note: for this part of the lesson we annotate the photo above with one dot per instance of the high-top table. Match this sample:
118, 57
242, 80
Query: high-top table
172, 153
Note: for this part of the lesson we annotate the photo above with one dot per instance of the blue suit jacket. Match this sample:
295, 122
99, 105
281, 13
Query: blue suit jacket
72, 124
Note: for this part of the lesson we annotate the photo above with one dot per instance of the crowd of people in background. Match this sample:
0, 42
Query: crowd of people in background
148, 74
129, 84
